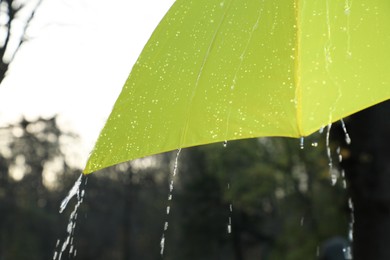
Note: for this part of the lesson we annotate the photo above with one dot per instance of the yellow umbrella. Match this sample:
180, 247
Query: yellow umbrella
217, 70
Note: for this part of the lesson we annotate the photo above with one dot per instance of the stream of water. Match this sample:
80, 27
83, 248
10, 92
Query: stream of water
170, 197
78, 191
334, 175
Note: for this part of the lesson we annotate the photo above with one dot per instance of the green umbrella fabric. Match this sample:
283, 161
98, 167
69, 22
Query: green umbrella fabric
217, 70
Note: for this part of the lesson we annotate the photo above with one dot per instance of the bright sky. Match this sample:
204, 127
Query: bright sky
76, 62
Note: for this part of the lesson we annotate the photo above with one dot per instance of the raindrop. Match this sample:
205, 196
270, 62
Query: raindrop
229, 228
302, 142
171, 186
225, 143
162, 245
352, 221
333, 178
347, 138
314, 144
347, 253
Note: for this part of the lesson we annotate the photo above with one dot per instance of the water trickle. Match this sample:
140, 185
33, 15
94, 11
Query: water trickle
347, 138
75, 190
332, 172
344, 180
68, 242
229, 225
302, 142
171, 186
162, 245
347, 250
333, 177
170, 196
352, 221
340, 157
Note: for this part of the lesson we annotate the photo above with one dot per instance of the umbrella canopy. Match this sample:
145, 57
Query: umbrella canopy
216, 70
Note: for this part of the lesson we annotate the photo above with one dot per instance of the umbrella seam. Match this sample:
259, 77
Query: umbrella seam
243, 54
185, 128
297, 70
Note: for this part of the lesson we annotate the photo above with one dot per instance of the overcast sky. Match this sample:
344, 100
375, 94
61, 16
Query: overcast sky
78, 57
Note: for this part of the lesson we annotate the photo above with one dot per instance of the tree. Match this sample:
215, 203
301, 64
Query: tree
14, 13
284, 205
29, 204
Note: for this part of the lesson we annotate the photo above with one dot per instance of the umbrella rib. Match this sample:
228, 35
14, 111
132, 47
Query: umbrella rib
297, 70
242, 56
185, 128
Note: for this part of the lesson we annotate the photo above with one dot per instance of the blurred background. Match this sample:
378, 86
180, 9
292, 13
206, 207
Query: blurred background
62, 66
283, 203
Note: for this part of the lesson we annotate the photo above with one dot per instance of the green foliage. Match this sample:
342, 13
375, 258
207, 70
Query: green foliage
283, 205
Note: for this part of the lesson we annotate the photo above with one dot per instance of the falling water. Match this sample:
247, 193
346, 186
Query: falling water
73, 192
334, 175
170, 196
225, 143
302, 142
332, 172
229, 225
347, 250
68, 241
347, 138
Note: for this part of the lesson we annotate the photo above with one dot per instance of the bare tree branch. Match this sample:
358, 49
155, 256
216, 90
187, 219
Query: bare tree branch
12, 11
